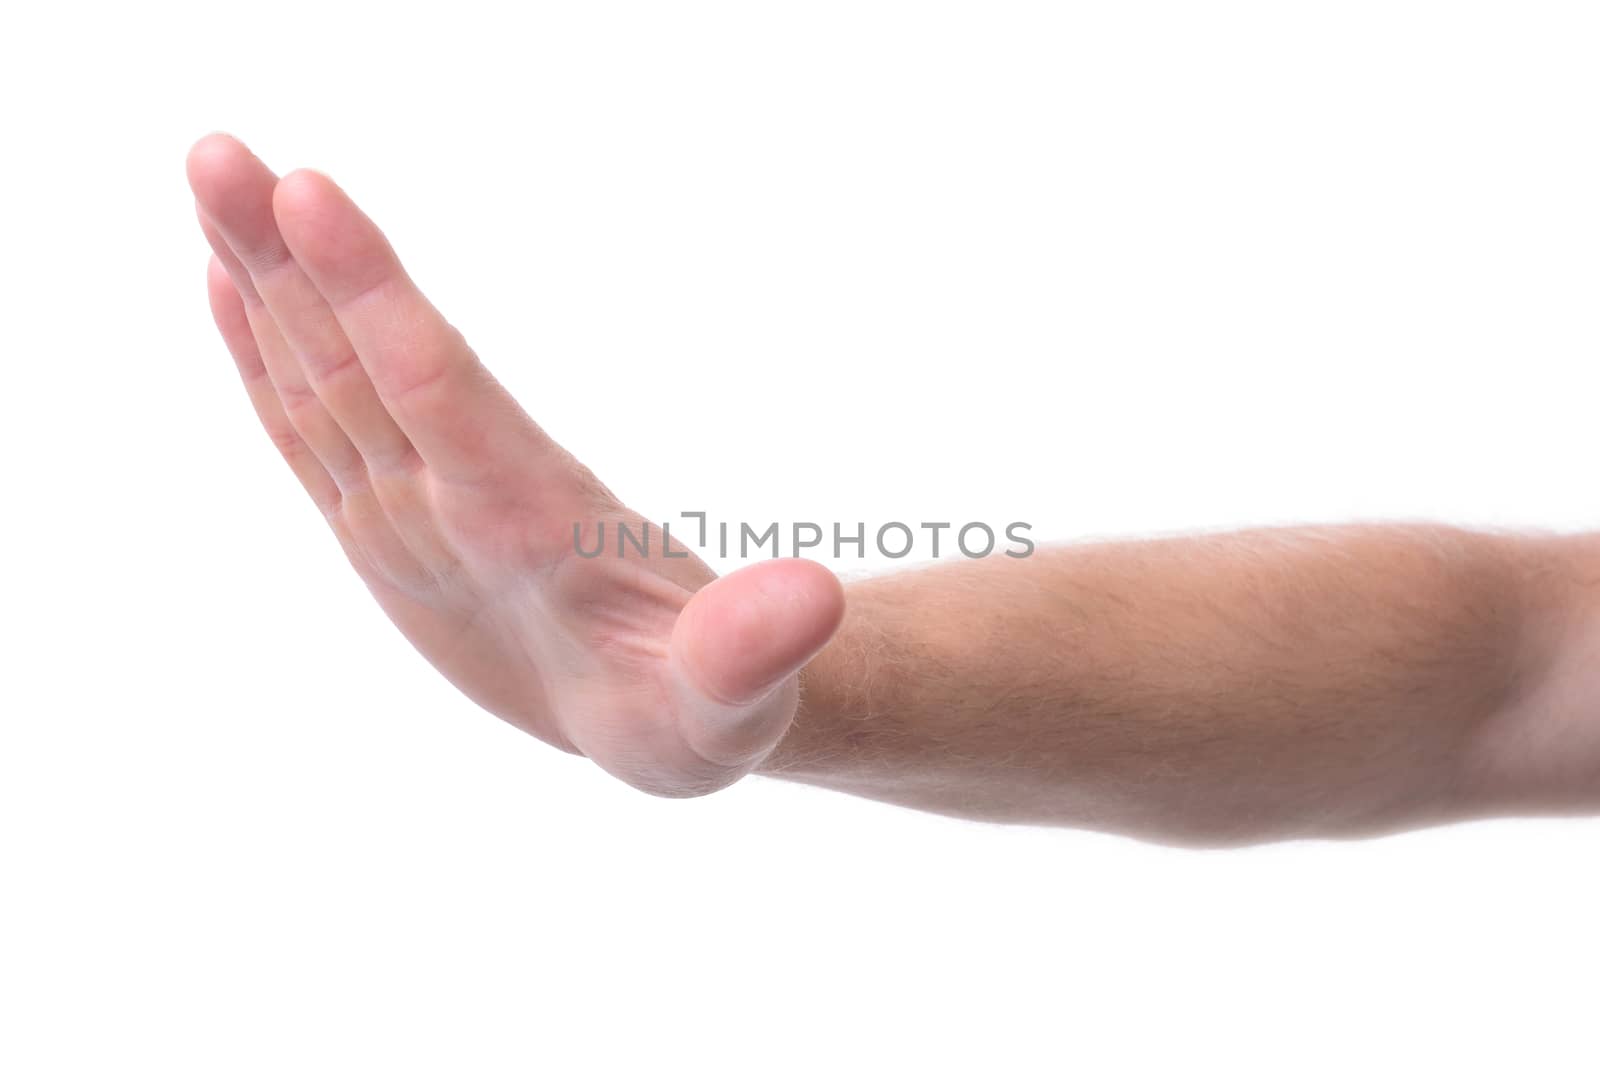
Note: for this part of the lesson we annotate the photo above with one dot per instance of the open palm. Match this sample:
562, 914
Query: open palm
458, 511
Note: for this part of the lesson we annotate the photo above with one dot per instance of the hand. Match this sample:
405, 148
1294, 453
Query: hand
458, 511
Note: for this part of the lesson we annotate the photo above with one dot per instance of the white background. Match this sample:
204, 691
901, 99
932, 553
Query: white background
1111, 268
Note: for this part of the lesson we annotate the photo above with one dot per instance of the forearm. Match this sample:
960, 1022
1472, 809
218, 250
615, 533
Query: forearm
1284, 682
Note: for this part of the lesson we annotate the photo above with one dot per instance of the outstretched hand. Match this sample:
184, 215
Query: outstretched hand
458, 511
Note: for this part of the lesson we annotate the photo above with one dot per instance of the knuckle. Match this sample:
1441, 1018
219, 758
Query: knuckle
287, 442
297, 398
326, 368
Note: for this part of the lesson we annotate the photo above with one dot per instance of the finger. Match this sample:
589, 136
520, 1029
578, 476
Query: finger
226, 179
463, 423
227, 308
300, 403
367, 532
309, 357
235, 191
736, 649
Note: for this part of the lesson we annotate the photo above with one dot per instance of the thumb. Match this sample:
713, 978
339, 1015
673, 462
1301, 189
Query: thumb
736, 648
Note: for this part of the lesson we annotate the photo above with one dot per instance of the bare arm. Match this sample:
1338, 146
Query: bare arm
1279, 683
1276, 683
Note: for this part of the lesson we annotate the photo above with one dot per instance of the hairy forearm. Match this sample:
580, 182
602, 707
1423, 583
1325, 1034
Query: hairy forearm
1276, 683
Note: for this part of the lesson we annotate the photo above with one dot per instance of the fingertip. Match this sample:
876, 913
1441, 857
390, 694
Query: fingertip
745, 634
337, 244
212, 140
303, 190
809, 593
210, 156
827, 595
306, 206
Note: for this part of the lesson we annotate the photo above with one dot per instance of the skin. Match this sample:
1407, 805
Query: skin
1282, 683
457, 511
1215, 690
